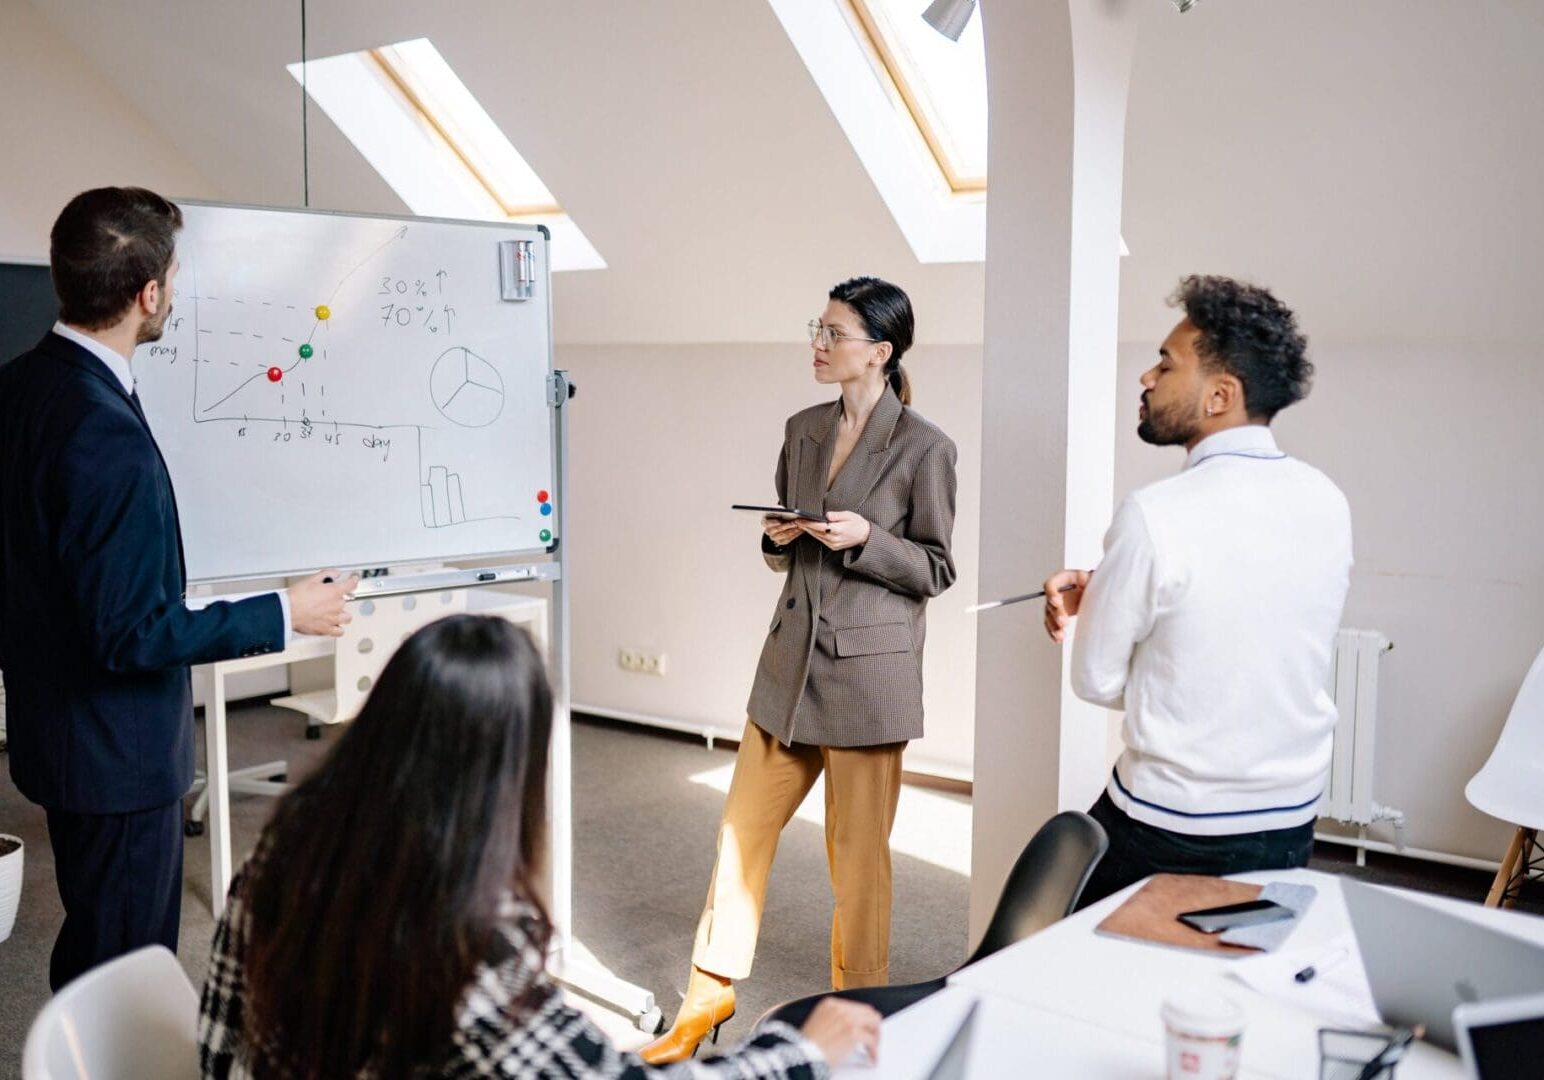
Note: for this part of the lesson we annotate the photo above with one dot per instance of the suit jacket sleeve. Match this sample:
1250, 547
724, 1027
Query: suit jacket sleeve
112, 517
919, 563
779, 558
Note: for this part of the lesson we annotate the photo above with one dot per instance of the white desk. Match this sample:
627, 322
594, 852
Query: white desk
1009, 1040
527, 610
1071, 1003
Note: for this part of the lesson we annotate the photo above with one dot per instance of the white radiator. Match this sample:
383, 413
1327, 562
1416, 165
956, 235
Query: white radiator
1354, 687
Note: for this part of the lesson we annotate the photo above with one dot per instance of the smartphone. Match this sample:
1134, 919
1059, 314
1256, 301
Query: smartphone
1251, 913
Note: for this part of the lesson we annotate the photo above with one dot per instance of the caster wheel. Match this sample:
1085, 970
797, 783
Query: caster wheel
192, 828
652, 1022
314, 732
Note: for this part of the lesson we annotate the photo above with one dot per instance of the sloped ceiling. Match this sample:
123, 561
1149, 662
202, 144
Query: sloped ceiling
1378, 163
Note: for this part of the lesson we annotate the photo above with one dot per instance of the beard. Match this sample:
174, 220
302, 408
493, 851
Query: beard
152, 329
1174, 425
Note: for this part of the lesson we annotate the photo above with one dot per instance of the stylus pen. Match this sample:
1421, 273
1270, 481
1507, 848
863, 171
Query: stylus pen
1014, 599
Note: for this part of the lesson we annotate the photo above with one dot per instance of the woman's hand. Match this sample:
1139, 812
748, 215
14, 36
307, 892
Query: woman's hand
841, 530
780, 531
839, 1027
1060, 606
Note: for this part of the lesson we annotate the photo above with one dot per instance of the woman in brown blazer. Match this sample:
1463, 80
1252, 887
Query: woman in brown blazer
839, 686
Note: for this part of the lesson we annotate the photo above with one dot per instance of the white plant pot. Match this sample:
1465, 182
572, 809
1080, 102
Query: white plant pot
10, 885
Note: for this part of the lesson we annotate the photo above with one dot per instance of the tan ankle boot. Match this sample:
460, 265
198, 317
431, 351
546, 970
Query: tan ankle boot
709, 1002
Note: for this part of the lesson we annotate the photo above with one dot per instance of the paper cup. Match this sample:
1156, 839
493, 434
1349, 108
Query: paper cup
10, 882
1204, 1031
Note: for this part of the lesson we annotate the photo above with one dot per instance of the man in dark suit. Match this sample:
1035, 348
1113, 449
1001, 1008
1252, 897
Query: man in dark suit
95, 638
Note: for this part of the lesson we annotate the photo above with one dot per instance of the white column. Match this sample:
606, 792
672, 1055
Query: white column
1057, 75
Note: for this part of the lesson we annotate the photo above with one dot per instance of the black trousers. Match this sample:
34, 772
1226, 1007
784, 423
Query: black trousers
120, 878
1138, 849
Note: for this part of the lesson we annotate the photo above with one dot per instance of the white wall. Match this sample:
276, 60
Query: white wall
664, 439
1437, 449
65, 129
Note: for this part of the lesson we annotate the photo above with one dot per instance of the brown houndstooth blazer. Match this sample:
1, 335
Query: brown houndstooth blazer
842, 663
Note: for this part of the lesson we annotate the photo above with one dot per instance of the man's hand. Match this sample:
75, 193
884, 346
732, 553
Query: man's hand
841, 530
1061, 606
780, 531
316, 604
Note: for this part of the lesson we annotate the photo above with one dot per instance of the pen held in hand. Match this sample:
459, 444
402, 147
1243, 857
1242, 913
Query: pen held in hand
1014, 600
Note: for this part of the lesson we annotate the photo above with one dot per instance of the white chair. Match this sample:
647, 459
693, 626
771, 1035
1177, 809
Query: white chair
134, 1017
1511, 787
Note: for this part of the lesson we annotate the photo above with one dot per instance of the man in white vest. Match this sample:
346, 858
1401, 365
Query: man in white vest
1211, 620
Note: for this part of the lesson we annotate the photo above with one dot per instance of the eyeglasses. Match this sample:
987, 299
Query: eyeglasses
829, 337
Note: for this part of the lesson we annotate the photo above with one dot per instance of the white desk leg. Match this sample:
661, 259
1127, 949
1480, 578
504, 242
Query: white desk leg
218, 773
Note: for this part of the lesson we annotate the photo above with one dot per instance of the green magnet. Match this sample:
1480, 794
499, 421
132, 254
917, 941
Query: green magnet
305, 352
546, 536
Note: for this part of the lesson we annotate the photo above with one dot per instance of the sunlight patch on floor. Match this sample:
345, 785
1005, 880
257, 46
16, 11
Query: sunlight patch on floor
928, 825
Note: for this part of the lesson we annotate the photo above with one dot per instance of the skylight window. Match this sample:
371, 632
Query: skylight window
914, 110
416, 123
941, 82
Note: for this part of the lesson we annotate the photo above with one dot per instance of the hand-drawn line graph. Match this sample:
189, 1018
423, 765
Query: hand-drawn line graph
238, 333
304, 350
466, 389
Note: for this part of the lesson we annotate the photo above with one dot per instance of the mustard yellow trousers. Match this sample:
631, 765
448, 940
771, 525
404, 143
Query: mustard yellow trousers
863, 785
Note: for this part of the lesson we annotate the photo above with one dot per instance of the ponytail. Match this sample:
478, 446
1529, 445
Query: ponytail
886, 314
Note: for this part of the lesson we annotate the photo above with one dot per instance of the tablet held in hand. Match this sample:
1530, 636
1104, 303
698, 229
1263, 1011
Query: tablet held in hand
782, 513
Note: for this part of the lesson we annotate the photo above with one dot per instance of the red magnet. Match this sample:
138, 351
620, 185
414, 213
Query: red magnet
541, 496
275, 374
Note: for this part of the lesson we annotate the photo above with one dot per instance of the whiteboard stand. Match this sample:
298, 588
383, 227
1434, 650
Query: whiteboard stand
569, 962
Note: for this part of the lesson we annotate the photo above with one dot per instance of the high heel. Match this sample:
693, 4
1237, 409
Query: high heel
713, 1035
710, 1002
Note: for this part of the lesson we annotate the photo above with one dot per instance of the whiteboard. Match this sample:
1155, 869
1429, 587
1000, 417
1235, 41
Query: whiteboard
407, 422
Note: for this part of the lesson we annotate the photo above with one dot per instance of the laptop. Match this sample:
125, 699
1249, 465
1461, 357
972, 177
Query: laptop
1423, 962
1501, 1039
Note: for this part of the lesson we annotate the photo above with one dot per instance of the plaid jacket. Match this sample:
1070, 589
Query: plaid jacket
555, 1041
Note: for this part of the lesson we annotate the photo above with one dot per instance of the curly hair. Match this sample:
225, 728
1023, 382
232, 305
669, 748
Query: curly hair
1251, 335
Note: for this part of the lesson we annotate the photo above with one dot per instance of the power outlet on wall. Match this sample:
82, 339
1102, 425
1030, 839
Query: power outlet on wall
641, 661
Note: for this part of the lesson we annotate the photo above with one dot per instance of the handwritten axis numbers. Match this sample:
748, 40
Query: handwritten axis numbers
307, 429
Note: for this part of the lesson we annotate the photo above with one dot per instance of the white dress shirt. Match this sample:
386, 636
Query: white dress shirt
119, 366
1211, 621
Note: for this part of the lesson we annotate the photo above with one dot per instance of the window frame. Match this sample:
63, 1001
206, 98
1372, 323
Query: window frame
398, 76
895, 71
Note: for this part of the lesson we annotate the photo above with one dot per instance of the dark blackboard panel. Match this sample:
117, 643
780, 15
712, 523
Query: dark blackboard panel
27, 307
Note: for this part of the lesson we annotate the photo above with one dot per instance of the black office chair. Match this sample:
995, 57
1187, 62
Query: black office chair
1042, 888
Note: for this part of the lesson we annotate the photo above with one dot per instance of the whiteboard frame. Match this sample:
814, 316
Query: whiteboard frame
560, 518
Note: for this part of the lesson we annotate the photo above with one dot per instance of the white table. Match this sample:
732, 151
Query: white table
528, 610
1068, 1002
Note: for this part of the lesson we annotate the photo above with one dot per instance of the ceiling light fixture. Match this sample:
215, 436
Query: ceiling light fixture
949, 17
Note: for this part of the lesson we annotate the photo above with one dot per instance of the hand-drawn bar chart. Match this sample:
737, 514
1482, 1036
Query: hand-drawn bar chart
443, 503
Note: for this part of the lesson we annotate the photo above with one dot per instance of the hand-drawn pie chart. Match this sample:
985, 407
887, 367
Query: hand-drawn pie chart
467, 390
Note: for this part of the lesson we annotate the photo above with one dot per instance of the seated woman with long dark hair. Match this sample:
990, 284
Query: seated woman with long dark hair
388, 924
